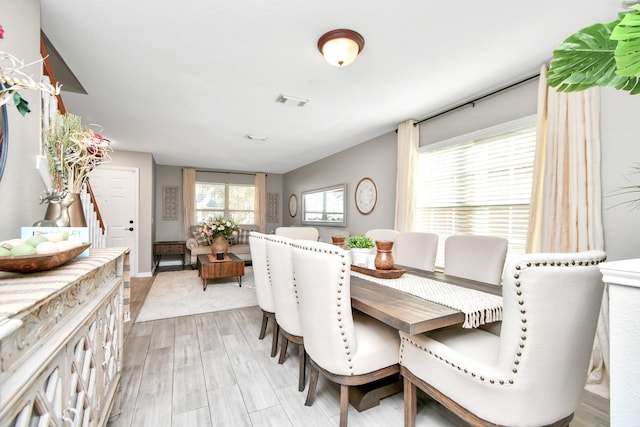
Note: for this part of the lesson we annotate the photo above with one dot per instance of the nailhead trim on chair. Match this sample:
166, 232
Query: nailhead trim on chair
338, 296
276, 238
523, 337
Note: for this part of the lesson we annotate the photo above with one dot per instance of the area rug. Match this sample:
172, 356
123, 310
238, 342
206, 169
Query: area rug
179, 293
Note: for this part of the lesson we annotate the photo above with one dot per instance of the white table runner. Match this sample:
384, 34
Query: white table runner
478, 307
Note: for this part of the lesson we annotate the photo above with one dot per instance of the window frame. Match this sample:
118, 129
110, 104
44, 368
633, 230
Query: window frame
324, 222
226, 212
517, 242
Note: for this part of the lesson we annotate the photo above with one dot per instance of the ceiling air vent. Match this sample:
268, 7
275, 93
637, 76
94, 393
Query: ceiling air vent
291, 100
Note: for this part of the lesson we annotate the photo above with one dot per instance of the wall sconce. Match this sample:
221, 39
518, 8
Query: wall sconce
340, 47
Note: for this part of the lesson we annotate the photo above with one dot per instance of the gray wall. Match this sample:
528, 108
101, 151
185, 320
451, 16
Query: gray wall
21, 186
375, 159
168, 230
620, 130
172, 175
515, 103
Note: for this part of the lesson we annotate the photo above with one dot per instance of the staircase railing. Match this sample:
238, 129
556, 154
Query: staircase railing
96, 209
95, 223
48, 71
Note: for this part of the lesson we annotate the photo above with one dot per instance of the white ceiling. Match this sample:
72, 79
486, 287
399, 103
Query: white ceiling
187, 81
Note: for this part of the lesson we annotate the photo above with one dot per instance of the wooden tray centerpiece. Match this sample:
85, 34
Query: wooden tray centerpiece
394, 273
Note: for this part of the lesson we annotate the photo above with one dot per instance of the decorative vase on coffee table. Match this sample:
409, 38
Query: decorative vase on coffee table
219, 246
384, 257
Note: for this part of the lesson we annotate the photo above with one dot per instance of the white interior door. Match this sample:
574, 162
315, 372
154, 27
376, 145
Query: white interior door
116, 192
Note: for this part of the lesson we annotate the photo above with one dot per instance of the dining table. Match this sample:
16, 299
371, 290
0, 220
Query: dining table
408, 313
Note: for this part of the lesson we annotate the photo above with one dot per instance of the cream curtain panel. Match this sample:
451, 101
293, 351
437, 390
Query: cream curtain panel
566, 201
261, 201
407, 165
188, 200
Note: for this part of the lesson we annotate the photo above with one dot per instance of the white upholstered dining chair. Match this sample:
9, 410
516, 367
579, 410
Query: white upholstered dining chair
348, 348
302, 233
479, 258
416, 249
264, 294
280, 271
382, 234
532, 374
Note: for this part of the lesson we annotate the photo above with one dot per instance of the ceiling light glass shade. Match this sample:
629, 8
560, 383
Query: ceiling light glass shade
341, 47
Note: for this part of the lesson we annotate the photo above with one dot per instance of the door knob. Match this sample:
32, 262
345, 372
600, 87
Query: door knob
130, 229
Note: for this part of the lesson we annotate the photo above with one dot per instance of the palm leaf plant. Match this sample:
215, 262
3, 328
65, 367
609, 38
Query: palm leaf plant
632, 189
600, 55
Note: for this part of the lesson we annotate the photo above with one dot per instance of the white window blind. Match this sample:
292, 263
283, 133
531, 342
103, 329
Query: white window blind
480, 186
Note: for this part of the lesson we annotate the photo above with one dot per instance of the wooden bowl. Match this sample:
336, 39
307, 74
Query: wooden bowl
33, 263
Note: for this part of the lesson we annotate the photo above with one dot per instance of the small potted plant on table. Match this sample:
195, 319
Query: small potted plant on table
360, 247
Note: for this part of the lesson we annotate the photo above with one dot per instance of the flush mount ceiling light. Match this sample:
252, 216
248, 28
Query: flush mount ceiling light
341, 47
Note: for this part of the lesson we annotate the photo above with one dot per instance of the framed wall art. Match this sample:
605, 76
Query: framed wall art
272, 207
366, 195
170, 203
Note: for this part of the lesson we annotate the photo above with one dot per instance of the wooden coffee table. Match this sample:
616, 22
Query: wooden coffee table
211, 268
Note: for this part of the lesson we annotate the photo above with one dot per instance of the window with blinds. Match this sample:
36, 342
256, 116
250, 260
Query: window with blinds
479, 185
234, 201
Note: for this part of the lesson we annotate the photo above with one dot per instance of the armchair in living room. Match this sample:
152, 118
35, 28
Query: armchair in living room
197, 244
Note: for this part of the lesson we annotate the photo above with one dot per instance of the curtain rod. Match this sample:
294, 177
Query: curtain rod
473, 101
235, 173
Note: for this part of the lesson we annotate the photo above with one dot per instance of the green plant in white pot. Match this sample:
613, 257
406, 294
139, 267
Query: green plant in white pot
360, 247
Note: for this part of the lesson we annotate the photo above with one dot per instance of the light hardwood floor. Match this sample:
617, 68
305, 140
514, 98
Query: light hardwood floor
211, 370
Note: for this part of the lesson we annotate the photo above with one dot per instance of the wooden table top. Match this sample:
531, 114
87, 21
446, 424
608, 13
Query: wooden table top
229, 257
409, 313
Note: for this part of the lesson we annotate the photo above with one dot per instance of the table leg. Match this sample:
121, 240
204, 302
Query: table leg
240, 281
204, 284
369, 395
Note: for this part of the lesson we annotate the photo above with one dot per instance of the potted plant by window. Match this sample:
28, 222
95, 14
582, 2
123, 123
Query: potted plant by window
360, 247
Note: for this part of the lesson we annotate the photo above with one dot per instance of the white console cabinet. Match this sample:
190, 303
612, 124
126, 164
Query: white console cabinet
61, 342
623, 278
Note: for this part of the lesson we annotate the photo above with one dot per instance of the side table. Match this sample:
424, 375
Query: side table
168, 248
